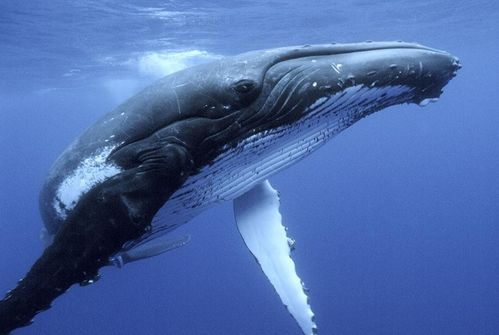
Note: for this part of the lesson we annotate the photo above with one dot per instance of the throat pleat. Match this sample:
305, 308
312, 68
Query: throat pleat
257, 157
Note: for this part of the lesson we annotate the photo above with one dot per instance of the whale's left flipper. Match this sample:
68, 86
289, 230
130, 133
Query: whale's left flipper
150, 249
259, 222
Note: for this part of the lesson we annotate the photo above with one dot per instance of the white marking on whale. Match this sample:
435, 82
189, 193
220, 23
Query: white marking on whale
91, 171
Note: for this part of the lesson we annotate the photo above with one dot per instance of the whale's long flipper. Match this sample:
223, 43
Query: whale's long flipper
150, 249
259, 222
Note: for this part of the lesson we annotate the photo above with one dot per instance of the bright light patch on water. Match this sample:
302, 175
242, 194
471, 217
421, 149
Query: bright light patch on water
158, 64
121, 89
149, 66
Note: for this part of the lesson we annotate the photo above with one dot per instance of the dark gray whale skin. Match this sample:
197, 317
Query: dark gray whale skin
180, 124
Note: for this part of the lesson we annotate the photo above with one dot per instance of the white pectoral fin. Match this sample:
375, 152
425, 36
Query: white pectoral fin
146, 250
259, 222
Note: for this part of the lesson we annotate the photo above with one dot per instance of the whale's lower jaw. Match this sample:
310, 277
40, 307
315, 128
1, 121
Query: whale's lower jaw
257, 157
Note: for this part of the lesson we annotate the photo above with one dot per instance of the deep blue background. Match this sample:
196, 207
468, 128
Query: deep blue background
396, 219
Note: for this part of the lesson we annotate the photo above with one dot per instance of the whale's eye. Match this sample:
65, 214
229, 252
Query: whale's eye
244, 86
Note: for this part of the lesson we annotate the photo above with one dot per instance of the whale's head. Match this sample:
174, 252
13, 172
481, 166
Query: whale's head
277, 86
269, 89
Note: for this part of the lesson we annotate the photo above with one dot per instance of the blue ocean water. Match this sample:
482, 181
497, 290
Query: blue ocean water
396, 219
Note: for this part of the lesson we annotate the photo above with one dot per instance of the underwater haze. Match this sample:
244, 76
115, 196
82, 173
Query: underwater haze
396, 219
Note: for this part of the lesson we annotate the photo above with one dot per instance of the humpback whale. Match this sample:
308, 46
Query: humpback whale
204, 135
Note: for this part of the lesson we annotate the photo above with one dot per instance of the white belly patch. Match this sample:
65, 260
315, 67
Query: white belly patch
90, 172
